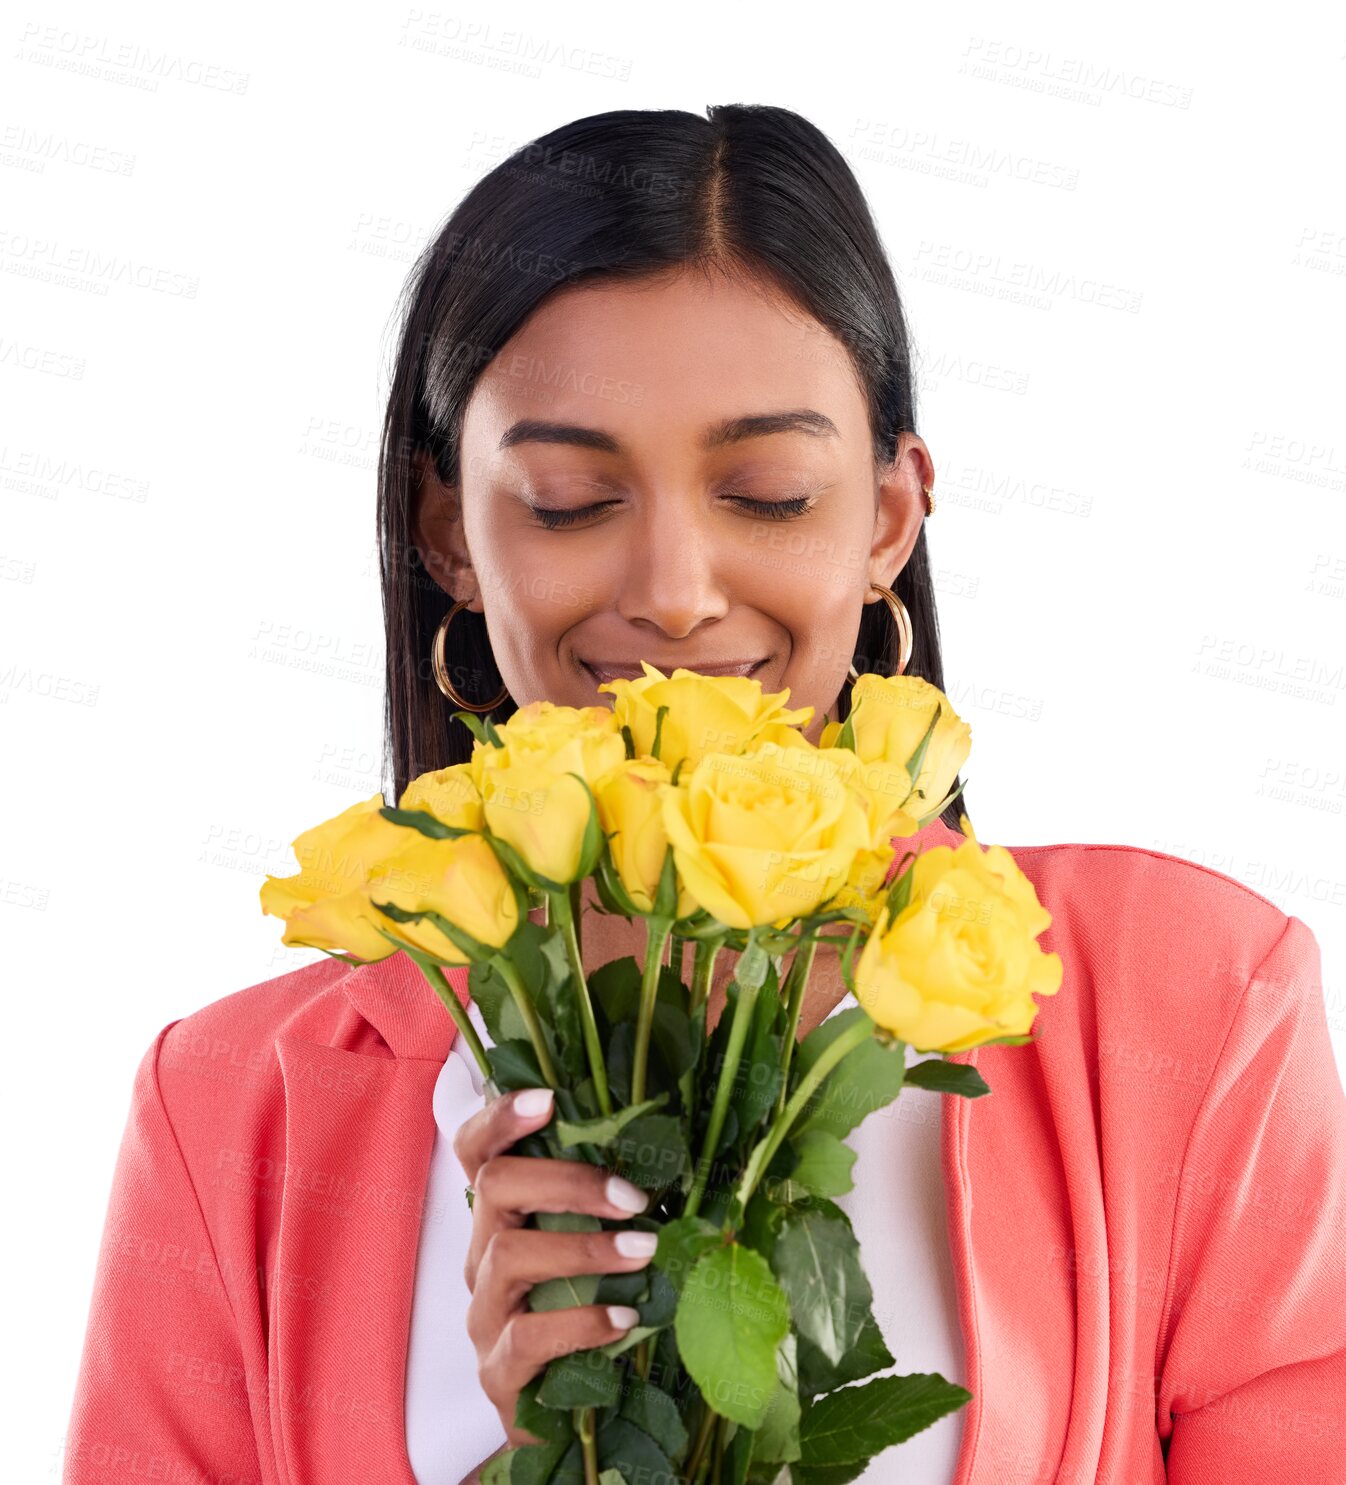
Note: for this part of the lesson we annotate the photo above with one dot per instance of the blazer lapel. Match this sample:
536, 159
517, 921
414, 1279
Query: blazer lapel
359, 1134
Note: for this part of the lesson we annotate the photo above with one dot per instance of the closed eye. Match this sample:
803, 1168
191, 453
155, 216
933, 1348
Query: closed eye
771, 510
557, 519
776, 510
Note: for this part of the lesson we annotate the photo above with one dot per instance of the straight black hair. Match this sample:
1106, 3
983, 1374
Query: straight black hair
752, 191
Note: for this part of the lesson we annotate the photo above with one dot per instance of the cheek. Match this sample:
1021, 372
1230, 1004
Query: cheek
811, 578
521, 574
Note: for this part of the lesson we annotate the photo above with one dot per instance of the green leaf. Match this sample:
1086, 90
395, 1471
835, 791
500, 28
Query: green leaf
473, 724
425, 822
777, 1437
917, 759
566, 1290
762, 1222
655, 1413
696, 1032
593, 840
615, 986
759, 1073
682, 1244
622, 1289
868, 1077
611, 893
652, 1151
732, 1315
940, 1076
581, 1379
666, 894
856, 1423
606, 1128
472, 948
870, 1354
817, 1261
659, 1309
543, 1423
824, 1165
673, 1047
562, 1016
639, 1457
737, 1455
846, 737
514, 1065
658, 729
822, 1474
490, 993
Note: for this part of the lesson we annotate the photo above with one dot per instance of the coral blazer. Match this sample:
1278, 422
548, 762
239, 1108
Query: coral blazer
1147, 1214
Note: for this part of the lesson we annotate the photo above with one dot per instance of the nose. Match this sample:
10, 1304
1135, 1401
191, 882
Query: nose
672, 578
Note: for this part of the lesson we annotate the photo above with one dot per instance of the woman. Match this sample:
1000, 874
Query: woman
653, 400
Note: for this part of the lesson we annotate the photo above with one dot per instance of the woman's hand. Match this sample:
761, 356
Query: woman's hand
504, 1259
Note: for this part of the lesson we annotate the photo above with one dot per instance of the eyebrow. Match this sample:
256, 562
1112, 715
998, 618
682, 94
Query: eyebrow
731, 430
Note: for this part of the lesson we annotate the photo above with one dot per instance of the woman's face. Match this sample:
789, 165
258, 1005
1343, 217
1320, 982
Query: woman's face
679, 471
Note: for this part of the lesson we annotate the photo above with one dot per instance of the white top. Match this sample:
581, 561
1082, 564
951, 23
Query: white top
896, 1208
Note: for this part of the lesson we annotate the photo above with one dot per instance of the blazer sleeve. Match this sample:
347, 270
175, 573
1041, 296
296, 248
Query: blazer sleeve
162, 1392
1251, 1386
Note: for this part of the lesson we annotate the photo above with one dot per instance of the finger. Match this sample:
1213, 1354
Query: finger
533, 1338
510, 1187
500, 1124
517, 1258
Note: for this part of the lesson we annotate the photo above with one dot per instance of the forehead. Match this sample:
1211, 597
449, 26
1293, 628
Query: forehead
658, 362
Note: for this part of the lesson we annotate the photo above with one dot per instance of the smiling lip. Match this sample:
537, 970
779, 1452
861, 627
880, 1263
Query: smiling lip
610, 670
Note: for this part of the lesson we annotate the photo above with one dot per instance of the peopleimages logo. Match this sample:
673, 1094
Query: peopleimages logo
145, 67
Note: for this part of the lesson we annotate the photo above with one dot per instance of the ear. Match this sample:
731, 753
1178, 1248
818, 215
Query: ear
900, 512
437, 530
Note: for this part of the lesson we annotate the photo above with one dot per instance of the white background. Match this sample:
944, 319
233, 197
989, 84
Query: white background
1140, 541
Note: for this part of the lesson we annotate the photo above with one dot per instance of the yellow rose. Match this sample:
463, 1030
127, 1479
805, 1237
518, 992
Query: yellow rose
529, 798
960, 964
460, 879
706, 713
631, 810
325, 905
449, 794
865, 887
583, 740
884, 789
764, 836
890, 715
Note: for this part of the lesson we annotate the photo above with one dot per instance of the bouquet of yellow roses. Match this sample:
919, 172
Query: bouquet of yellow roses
697, 804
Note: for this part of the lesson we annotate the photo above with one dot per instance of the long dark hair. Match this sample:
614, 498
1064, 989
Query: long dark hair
750, 189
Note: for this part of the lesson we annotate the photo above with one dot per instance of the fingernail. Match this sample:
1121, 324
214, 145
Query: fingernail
624, 1195
532, 1102
623, 1316
636, 1244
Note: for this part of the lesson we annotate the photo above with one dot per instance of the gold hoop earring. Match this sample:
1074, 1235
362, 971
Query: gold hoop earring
902, 619
442, 671
929, 499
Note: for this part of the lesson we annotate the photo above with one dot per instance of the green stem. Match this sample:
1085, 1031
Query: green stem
703, 968
795, 984
719, 1452
828, 1058
724, 1088
656, 936
696, 1459
440, 984
566, 922
584, 1427
510, 975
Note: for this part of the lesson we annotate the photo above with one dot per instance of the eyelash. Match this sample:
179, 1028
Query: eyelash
771, 510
